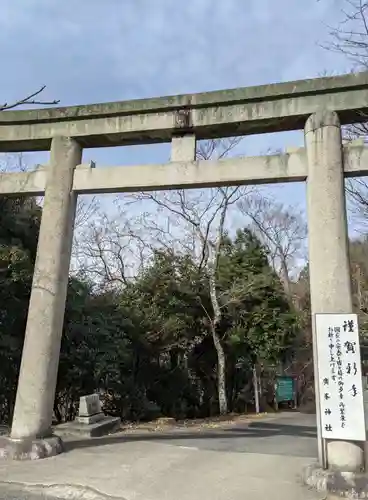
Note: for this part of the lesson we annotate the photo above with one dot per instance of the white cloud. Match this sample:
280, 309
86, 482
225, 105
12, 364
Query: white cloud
93, 50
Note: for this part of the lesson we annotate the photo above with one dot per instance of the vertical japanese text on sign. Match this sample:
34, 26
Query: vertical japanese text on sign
339, 377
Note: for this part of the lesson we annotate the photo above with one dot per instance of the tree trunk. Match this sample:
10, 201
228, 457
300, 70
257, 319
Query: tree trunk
256, 389
285, 278
221, 372
211, 254
221, 361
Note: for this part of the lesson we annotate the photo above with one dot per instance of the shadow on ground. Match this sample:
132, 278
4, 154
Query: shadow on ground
241, 432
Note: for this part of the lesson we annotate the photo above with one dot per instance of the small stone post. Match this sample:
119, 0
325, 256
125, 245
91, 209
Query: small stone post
329, 265
183, 147
38, 373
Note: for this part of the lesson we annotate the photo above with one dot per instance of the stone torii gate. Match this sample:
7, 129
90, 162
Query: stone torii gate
318, 106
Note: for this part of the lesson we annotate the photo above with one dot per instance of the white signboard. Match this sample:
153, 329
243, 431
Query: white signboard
340, 377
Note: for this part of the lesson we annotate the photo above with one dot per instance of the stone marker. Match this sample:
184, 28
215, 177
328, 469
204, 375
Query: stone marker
91, 421
90, 409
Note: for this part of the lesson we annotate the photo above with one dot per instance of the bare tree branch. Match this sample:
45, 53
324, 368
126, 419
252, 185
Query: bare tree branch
29, 100
196, 220
283, 230
216, 149
357, 191
113, 248
350, 38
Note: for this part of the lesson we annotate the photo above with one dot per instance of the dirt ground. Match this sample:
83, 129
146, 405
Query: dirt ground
170, 424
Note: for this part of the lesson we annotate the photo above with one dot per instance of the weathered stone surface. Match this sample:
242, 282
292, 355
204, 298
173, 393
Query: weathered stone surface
267, 108
340, 83
342, 484
89, 405
40, 358
183, 148
329, 271
92, 419
345, 456
29, 449
194, 174
329, 265
106, 426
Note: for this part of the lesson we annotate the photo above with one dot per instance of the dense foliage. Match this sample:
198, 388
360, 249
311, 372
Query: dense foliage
147, 348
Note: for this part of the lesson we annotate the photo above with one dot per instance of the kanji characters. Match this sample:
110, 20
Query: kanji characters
353, 390
350, 347
350, 369
348, 326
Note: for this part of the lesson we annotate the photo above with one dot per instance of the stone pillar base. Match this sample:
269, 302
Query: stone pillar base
338, 483
29, 449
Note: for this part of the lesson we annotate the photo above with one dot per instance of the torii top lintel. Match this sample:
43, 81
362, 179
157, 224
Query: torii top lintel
249, 110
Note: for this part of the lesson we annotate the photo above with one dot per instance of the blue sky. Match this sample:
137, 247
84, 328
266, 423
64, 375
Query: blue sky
93, 51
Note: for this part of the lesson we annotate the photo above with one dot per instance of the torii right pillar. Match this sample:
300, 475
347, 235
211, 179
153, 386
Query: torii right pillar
329, 265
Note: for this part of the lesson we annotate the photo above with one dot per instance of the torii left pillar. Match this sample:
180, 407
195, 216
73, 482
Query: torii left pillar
31, 435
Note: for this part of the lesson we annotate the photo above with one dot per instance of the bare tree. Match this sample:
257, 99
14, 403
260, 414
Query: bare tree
13, 162
283, 231
217, 149
87, 208
195, 221
350, 38
183, 221
113, 247
201, 217
357, 190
